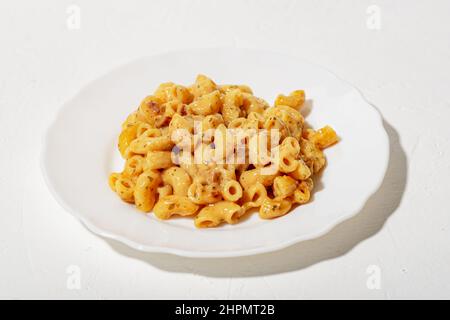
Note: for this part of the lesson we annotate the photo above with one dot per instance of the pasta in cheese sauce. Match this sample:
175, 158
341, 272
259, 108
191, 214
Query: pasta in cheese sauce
215, 152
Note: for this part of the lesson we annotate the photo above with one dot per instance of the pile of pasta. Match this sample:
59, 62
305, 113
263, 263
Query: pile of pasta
216, 192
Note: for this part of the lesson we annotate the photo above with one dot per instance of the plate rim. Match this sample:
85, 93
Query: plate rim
211, 254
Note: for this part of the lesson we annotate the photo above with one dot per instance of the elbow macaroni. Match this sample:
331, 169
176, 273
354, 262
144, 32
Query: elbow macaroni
182, 148
215, 214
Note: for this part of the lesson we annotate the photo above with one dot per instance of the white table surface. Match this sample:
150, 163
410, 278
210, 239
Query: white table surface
401, 235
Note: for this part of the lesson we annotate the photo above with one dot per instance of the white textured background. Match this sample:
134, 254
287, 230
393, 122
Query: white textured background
403, 69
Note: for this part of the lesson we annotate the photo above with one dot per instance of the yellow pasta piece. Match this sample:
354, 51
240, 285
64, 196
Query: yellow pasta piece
165, 190
144, 128
215, 214
201, 193
255, 121
291, 146
291, 118
254, 195
149, 108
242, 87
253, 104
131, 120
178, 179
237, 123
206, 104
125, 189
303, 193
312, 155
287, 162
294, 100
145, 190
143, 145
162, 91
134, 166
113, 177
203, 85
253, 176
126, 138
284, 186
272, 208
278, 125
231, 190
158, 160
324, 137
302, 172
170, 91
169, 206
231, 108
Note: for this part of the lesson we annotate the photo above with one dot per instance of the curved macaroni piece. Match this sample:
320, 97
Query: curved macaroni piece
169, 206
294, 100
179, 122
149, 108
171, 108
162, 91
237, 123
291, 146
284, 186
253, 104
291, 118
302, 172
205, 105
178, 179
127, 136
158, 160
253, 176
272, 208
143, 128
254, 196
232, 103
255, 120
125, 189
203, 85
216, 175
148, 132
200, 193
312, 155
131, 120
113, 177
231, 191
143, 145
145, 190
134, 166
215, 214
303, 193
170, 91
287, 162
324, 137
165, 190
162, 120
275, 123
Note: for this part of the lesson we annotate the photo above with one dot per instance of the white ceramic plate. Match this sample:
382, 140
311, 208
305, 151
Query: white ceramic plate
80, 152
